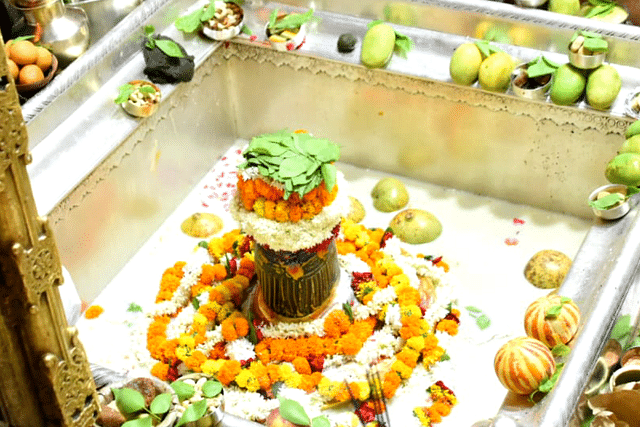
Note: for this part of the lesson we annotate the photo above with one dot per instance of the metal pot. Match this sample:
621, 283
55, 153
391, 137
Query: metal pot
104, 14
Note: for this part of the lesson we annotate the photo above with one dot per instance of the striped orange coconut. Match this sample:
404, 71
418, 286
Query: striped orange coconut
552, 319
523, 363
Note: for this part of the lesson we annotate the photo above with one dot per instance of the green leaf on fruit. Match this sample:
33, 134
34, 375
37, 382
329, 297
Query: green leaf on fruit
293, 411
404, 44
486, 48
561, 350
553, 312
548, 384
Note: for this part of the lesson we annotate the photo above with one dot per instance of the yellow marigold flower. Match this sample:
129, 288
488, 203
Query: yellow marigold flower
363, 390
411, 310
258, 206
216, 248
403, 370
399, 280
186, 341
293, 380
362, 239
328, 388
416, 343
225, 311
182, 353
200, 319
210, 367
246, 379
432, 356
350, 229
422, 416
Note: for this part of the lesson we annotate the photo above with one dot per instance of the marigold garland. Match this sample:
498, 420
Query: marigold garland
298, 362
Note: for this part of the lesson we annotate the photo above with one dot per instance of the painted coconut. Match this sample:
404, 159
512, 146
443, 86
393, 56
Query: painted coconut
523, 363
552, 319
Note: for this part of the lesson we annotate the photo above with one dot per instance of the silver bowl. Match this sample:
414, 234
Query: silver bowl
586, 62
615, 212
530, 3
213, 416
537, 94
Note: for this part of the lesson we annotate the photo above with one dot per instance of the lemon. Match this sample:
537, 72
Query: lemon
465, 64
495, 72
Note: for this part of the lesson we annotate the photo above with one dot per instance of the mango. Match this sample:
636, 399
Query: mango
378, 45
495, 72
624, 169
568, 85
603, 87
465, 64
633, 129
415, 226
389, 194
567, 7
631, 145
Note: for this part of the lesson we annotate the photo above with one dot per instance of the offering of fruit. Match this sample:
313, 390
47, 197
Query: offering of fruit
389, 195
495, 72
465, 64
524, 363
219, 20
552, 319
379, 43
286, 31
624, 169
28, 63
416, 226
139, 98
547, 269
603, 87
568, 85
567, 7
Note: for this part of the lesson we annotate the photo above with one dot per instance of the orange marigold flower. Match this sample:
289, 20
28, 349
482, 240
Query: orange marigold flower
390, 384
301, 365
449, 326
336, 323
228, 371
168, 350
242, 326
441, 408
350, 344
408, 357
93, 312
160, 370
274, 373
408, 295
218, 352
228, 330
194, 361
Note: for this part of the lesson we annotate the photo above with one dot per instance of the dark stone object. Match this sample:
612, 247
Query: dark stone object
110, 417
162, 68
146, 387
346, 43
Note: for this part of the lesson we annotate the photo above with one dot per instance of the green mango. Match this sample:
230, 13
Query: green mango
378, 45
633, 129
568, 84
567, 7
624, 169
495, 72
631, 145
603, 87
465, 64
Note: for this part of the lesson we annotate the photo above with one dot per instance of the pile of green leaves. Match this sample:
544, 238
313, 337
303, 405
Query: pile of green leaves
291, 21
169, 47
611, 200
193, 21
127, 89
541, 66
403, 45
297, 160
623, 333
592, 41
600, 8
211, 388
131, 402
294, 412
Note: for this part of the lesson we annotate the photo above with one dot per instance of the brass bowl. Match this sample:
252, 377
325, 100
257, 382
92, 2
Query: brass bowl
586, 62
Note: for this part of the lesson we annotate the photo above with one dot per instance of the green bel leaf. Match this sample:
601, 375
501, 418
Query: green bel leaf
607, 202
320, 421
170, 47
622, 328
139, 422
472, 309
553, 312
483, 322
128, 400
346, 307
183, 390
191, 22
211, 388
134, 308
124, 92
208, 12
596, 44
329, 175
561, 350
445, 356
193, 413
294, 166
294, 412
160, 404
149, 30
